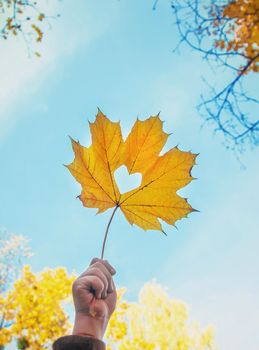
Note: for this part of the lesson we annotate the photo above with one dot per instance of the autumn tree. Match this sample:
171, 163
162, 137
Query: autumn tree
32, 312
23, 18
31, 309
14, 250
156, 321
226, 34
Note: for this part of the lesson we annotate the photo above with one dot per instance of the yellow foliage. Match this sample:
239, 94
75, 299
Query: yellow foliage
35, 317
20, 17
41, 17
162, 176
38, 31
5, 336
243, 30
32, 309
156, 322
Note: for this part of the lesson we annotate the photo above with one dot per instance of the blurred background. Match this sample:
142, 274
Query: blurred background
119, 56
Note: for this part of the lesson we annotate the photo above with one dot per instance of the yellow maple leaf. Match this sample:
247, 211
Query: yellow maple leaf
156, 197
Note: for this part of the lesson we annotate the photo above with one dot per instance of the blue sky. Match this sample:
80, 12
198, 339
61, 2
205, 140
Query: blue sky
117, 55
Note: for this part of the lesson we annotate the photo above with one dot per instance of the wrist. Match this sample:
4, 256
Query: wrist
89, 326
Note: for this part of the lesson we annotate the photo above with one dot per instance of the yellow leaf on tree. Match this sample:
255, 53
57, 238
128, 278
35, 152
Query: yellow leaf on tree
156, 321
241, 21
32, 310
162, 175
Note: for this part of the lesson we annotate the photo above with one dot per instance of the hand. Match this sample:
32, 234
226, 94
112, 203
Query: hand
95, 296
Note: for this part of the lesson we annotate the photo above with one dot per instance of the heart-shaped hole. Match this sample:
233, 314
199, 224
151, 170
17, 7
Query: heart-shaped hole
126, 182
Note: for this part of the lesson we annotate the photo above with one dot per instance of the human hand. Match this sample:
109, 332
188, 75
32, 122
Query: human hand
95, 296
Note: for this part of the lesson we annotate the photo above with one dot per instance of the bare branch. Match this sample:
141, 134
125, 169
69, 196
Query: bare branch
23, 18
206, 28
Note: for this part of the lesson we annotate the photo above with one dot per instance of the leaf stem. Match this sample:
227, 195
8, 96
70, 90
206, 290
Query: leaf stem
107, 229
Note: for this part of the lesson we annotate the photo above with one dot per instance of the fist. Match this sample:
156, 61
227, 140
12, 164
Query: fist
95, 296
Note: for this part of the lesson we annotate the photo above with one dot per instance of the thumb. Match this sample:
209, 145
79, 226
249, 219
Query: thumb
92, 311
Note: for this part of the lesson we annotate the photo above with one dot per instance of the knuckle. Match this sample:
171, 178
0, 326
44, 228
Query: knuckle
96, 265
99, 283
97, 280
94, 260
109, 267
101, 267
107, 264
91, 269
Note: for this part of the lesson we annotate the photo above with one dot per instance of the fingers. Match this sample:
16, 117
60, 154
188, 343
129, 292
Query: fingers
103, 271
105, 263
106, 280
107, 269
91, 283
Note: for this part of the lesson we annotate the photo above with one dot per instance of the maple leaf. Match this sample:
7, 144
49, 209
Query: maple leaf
162, 176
